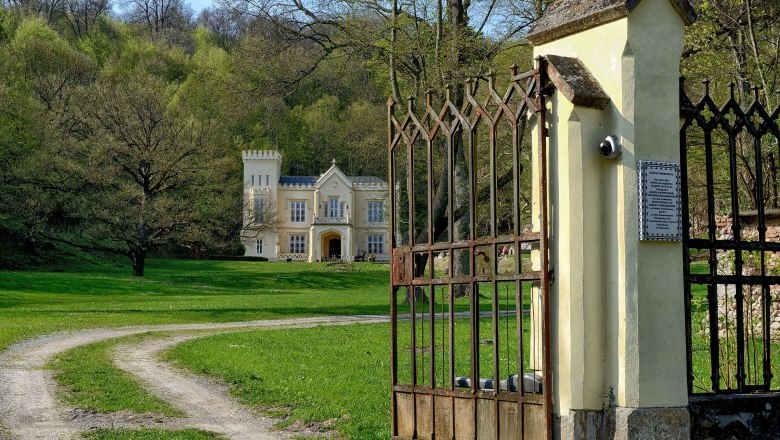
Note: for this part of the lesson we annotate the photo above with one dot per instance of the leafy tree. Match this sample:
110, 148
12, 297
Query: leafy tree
737, 42
47, 64
140, 173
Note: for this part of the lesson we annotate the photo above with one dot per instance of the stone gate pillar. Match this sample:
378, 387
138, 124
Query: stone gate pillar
618, 327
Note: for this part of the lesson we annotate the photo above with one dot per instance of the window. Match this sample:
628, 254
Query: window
253, 180
333, 207
267, 179
297, 244
298, 211
376, 212
376, 244
260, 211
259, 247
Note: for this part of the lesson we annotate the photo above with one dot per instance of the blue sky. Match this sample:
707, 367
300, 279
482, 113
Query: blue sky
199, 5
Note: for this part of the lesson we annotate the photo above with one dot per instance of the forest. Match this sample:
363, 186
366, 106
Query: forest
122, 122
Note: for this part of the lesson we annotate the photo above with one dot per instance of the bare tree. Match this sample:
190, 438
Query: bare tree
159, 15
48, 10
228, 26
82, 15
260, 216
415, 38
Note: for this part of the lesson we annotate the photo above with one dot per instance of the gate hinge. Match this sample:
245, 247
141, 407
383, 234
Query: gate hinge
551, 274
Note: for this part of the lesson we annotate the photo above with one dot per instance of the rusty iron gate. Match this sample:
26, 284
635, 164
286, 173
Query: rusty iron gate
730, 159
470, 278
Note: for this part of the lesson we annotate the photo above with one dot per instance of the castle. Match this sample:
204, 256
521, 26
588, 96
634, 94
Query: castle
312, 218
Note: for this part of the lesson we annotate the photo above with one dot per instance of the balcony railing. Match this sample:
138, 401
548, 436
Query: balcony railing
332, 220
294, 256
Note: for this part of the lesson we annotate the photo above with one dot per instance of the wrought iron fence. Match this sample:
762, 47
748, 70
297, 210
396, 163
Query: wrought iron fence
465, 294
730, 160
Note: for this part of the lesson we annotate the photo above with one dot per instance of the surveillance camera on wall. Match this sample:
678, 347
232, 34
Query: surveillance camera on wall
610, 147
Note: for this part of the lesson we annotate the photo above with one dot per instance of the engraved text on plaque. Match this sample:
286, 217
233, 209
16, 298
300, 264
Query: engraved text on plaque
660, 210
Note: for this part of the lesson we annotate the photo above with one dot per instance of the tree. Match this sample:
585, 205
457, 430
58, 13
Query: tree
424, 45
47, 64
226, 26
737, 42
141, 172
82, 15
48, 10
159, 15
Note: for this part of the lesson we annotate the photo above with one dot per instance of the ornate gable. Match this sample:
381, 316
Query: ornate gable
333, 171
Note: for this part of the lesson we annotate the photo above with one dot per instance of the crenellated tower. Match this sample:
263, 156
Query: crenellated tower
262, 169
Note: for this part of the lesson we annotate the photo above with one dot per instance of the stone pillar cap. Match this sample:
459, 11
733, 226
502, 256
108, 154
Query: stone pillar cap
567, 17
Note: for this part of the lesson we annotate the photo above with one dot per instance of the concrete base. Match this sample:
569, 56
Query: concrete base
625, 424
736, 417
582, 424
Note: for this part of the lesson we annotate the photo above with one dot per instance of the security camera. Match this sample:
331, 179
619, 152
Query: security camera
610, 147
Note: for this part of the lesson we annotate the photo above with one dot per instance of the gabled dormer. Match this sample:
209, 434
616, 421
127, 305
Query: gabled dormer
333, 197
333, 177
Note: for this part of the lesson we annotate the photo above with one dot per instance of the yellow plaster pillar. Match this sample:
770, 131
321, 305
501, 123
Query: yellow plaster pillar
618, 329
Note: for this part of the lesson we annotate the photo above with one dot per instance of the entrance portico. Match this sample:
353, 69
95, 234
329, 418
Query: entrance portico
334, 242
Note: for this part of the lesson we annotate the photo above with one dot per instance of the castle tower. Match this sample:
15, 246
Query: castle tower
262, 169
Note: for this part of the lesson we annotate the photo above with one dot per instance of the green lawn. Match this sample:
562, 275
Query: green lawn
150, 434
33, 303
727, 357
90, 380
338, 375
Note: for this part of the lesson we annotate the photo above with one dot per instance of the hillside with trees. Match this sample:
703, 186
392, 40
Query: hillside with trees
121, 123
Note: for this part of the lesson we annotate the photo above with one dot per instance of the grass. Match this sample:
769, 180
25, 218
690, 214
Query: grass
325, 373
90, 381
105, 294
337, 374
150, 434
701, 350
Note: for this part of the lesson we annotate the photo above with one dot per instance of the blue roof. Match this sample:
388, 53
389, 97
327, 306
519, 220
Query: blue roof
298, 180
311, 180
365, 179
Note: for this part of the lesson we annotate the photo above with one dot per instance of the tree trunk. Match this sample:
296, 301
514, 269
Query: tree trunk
139, 259
457, 16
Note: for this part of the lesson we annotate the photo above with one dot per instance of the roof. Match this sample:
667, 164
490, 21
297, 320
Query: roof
298, 180
575, 82
566, 17
366, 180
311, 180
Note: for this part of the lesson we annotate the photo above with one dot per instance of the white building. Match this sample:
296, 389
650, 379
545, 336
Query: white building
326, 217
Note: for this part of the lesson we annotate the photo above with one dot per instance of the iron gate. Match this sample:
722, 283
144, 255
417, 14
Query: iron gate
470, 279
731, 263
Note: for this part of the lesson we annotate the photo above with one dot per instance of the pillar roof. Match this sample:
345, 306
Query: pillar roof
566, 17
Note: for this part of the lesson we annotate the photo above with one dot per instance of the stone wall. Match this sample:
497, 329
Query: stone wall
736, 417
751, 266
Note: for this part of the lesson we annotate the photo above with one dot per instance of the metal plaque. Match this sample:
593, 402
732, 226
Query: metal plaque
660, 207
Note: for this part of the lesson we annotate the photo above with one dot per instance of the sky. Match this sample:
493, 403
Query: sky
199, 5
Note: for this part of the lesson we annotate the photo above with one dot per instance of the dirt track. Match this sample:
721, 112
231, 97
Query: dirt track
29, 409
